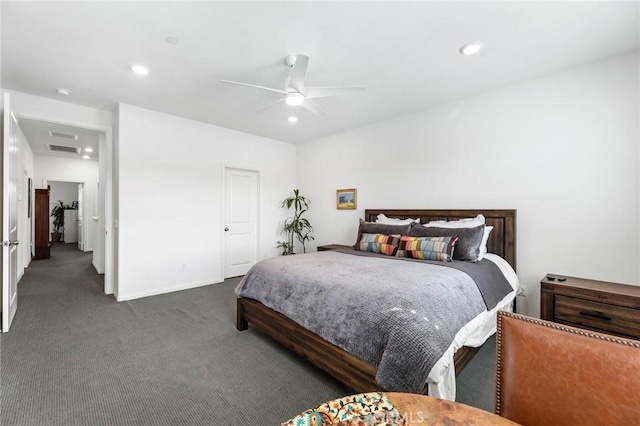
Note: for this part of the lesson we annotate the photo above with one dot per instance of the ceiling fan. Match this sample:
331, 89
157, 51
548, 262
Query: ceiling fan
296, 93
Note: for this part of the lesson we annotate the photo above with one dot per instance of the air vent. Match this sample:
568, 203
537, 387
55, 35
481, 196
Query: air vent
61, 148
63, 135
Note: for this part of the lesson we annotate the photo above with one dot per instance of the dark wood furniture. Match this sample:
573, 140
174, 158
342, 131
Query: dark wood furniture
352, 371
502, 240
595, 305
41, 224
328, 247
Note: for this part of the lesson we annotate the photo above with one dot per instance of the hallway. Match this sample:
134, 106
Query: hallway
68, 272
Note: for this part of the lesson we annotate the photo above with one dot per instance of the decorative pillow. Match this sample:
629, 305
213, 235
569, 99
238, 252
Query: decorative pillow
373, 408
393, 221
470, 222
467, 246
380, 228
427, 248
379, 243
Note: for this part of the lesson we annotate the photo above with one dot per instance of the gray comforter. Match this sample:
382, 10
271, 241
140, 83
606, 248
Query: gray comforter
396, 315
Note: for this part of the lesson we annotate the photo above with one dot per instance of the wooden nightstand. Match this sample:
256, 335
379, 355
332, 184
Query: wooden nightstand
595, 305
328, 247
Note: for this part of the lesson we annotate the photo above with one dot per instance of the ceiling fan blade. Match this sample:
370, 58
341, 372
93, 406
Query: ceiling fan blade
312, 106
299, 70
322, 92
253, 85
259, 110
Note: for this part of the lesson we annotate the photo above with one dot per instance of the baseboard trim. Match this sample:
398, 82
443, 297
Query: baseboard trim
98, 270
122, 298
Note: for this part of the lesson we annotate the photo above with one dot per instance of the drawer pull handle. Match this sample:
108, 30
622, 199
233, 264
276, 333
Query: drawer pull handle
595, 314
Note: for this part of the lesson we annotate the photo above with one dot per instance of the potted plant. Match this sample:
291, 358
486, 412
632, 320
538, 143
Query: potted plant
57, 212
296, 226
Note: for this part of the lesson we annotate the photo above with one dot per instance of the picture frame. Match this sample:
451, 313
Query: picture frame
346, 199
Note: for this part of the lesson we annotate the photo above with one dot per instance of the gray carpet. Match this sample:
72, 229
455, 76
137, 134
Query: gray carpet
75, 356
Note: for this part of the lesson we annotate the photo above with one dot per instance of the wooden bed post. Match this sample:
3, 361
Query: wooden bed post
241, 323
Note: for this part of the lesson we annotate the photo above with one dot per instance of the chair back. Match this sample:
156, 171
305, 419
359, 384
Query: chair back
551, 374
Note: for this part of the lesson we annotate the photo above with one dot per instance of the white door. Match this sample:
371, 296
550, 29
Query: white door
10, 176
240, 221
71, 226
80, 215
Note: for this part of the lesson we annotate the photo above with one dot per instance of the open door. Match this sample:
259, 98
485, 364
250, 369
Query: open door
10, 176
80, 216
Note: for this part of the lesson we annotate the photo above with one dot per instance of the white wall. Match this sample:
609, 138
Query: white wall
26, 234
61, 169
563, 150
64, 191
37, 107
170, 193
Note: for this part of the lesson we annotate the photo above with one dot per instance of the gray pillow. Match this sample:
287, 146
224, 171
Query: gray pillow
380, 228
467, 246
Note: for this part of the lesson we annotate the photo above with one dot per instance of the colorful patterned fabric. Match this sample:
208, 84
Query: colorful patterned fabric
379, 243
427, 248
365, 409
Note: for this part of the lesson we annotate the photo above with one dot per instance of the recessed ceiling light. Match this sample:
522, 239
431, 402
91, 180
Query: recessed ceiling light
63, 92
86, 157
172, 40
293, 119
140, 69
471, 48
88, 149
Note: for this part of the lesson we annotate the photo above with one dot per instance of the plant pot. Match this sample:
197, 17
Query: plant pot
55, 236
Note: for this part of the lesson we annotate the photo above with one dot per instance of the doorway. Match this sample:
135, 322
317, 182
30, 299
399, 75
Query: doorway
81, 159
241, 215
68, 197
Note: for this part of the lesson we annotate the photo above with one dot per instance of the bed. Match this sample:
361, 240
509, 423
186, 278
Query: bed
353, 370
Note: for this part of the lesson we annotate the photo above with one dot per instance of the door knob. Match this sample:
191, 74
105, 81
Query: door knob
10, 243
226, 229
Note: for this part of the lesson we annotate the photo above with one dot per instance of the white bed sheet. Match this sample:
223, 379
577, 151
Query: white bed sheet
442, 378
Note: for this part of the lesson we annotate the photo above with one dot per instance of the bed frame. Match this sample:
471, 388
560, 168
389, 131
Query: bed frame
350, 370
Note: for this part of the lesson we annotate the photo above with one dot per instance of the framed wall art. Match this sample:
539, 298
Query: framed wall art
346, 199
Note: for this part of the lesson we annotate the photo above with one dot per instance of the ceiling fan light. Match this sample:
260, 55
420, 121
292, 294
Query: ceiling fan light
293, 119
294, 99
471, 48
139, 69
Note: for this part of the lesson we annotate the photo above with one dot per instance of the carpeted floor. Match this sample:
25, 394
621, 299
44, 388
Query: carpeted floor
75, 356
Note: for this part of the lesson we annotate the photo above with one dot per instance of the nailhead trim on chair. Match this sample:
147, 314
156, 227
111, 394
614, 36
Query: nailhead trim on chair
555, 326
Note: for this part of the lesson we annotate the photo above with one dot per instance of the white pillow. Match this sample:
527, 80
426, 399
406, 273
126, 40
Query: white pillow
392, 221
470, 222
483, 244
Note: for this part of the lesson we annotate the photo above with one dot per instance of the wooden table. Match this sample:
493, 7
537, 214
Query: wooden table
426, 410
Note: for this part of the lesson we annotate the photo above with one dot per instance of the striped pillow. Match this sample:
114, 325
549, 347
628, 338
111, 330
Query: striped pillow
427, 248
379, 243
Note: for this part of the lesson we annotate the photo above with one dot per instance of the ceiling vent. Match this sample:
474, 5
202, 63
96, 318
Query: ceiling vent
63, 135
61, 148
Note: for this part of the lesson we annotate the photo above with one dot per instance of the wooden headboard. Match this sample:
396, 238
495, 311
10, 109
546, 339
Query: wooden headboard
502, 240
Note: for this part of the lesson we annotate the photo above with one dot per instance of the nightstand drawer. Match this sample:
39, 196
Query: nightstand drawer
598, 316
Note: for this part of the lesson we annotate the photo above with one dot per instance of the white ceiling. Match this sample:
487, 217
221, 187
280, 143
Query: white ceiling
38, 133
405, 53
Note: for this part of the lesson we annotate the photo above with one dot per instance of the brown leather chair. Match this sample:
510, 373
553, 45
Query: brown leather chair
551, 374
